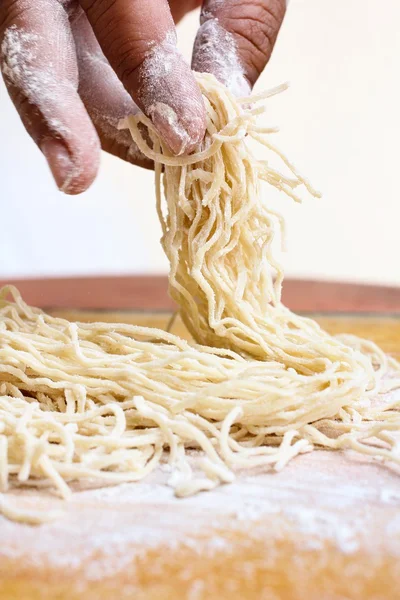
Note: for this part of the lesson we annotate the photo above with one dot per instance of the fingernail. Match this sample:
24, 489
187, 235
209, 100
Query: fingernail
166, 122
60, 162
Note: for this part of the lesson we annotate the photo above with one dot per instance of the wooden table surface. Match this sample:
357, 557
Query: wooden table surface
325, 528
150, 293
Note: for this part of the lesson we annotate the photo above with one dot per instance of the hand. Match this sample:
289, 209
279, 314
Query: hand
75, 68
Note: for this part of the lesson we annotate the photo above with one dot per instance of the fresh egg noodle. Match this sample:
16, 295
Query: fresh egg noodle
256, 387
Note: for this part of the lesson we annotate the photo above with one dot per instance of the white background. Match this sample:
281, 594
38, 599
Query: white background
340, 124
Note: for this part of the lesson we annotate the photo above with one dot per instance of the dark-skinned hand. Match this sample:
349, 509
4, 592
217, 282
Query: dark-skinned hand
74, 68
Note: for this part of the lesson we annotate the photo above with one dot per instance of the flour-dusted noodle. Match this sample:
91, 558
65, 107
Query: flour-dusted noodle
257, 386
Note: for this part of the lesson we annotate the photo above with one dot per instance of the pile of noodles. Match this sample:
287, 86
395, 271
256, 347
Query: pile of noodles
257, 385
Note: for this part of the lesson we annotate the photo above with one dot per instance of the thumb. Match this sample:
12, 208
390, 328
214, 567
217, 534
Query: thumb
235, 40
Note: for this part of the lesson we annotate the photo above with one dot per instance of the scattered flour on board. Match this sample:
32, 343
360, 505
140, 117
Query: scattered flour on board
336, 498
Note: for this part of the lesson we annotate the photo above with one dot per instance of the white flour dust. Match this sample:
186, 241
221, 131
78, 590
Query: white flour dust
215, 51
22, 66
157, 69
50, 84
170, 95
107, 102
344, 500
27, 65
104, 96
17, 52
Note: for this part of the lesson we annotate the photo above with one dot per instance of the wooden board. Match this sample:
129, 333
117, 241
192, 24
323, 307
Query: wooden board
326, 528
133, 292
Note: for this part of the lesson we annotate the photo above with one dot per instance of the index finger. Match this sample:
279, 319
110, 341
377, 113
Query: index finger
138, 37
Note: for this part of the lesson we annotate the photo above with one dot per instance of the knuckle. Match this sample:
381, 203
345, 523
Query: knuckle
130, 57
256, 23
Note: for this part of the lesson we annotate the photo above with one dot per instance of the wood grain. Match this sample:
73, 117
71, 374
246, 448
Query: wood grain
150, 293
